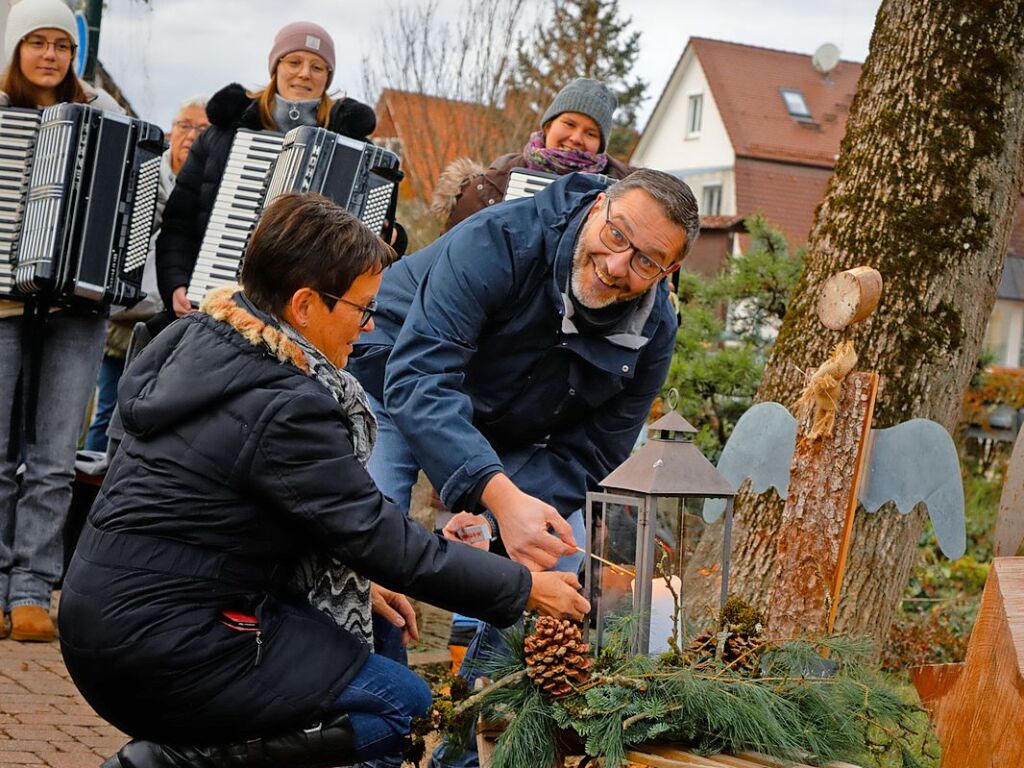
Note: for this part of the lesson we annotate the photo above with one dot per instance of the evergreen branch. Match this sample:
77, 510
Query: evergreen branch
480, 695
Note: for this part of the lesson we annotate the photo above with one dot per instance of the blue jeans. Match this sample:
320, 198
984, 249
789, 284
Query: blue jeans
32, 516
106, 400
381, 702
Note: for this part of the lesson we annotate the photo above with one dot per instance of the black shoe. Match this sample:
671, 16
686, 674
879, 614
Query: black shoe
324, 746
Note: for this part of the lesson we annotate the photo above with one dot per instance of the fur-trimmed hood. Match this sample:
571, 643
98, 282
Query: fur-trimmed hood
220, 304
449, 186
208, 358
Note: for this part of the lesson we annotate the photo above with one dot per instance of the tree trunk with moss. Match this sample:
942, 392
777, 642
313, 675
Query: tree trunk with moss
924, 190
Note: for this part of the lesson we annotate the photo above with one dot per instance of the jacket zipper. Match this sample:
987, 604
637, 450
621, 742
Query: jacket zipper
259, 647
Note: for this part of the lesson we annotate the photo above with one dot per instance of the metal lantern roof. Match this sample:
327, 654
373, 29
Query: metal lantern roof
669, 464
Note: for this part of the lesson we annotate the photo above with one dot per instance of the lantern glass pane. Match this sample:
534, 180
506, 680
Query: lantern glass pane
612, 540
684, 590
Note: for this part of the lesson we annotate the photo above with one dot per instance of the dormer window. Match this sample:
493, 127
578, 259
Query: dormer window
795, 104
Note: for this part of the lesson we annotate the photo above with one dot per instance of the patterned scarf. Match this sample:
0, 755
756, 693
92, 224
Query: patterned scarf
331, 586
561, 161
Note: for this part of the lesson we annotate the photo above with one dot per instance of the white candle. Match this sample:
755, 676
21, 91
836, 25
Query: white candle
663, 605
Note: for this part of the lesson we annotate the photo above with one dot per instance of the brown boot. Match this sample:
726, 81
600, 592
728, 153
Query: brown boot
4, 629
32, 623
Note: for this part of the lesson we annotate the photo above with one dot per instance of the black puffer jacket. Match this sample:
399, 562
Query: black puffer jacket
188, 209
235, 463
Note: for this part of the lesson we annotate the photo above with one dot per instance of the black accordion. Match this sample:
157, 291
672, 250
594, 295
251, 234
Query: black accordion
78, 196
362, 178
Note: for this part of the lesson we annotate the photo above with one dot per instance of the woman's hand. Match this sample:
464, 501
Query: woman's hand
397, 609
180, 303
554, 593
469, 529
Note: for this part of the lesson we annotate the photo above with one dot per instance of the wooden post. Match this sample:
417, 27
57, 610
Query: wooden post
817, 520
978, 706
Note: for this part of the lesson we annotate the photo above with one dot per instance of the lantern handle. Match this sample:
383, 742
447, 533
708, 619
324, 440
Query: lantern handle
672, 398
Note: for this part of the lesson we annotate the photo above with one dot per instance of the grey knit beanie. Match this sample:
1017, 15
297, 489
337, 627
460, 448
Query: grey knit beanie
588, 97
30, 15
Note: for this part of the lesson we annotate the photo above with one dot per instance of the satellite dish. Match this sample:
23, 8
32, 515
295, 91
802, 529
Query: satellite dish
825, 58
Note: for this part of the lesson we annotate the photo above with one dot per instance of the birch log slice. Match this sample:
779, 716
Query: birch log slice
848, 297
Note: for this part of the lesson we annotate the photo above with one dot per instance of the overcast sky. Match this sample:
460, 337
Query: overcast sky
162, 52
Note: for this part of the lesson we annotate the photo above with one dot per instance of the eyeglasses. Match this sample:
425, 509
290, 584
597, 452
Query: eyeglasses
186, 127
368, 310
294, 65
39, 45
615, 240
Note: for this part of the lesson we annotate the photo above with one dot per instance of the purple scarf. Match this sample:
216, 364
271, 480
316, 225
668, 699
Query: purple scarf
561, 161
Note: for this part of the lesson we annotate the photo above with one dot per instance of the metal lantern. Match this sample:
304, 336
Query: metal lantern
637, 535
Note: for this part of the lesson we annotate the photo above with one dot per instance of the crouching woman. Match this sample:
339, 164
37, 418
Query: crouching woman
183, 621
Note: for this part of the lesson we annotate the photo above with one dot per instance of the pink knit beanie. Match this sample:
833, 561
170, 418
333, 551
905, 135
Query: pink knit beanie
302, 36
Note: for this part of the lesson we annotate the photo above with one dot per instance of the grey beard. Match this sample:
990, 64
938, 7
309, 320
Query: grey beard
576, 281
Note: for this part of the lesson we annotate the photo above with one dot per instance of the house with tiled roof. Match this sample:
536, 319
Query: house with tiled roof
428, 132
757, 130
751, 130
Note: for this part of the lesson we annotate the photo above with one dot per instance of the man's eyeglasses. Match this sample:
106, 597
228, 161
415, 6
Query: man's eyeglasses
186, 127
39, 45
368, 310
615, 240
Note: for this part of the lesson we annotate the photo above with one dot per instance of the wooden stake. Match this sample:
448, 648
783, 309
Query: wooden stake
863, 453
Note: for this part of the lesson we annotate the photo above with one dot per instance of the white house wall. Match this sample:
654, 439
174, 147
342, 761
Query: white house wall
699, 159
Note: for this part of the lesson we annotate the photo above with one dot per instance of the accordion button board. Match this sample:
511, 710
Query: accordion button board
360, 177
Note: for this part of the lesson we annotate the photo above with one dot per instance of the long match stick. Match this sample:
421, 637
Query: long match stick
615, 567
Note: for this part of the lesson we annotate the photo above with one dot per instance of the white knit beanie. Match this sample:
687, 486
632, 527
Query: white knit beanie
29, 15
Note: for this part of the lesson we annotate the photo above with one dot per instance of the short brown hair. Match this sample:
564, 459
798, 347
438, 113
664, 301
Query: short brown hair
305, 240
21, 92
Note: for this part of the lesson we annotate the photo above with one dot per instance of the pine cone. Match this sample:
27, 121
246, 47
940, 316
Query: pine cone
557, 659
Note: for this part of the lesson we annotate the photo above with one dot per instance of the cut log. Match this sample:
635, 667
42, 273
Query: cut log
979, 709
849, 297
817, 521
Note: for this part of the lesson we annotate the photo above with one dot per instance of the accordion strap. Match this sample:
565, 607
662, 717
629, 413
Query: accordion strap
33, 336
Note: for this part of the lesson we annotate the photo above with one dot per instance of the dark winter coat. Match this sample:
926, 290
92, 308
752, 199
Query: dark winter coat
235, 464
465, 187
188, 209
484, 371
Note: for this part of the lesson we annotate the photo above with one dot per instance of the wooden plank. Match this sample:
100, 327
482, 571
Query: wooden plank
657, 761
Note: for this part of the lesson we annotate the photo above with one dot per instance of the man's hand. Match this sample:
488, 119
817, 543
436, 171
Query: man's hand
397, 609
468, 528
533, 531
180, 303
554, 593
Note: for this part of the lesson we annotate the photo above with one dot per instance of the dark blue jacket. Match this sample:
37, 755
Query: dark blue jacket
486, 373
235, 465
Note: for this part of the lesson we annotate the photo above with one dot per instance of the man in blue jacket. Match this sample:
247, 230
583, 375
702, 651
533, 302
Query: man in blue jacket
516, 358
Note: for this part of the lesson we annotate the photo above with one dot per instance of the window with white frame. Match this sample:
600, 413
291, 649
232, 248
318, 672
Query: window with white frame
712, 200
694, 114
796, 105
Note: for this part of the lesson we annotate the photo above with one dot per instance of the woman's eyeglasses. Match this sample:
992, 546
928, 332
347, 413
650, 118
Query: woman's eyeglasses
368, 310
186, 127
39, 45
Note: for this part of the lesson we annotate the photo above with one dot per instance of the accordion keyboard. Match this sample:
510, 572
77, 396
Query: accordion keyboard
236, 211
18, 129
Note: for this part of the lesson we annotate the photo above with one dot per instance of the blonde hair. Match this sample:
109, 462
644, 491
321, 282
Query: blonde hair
266, 96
